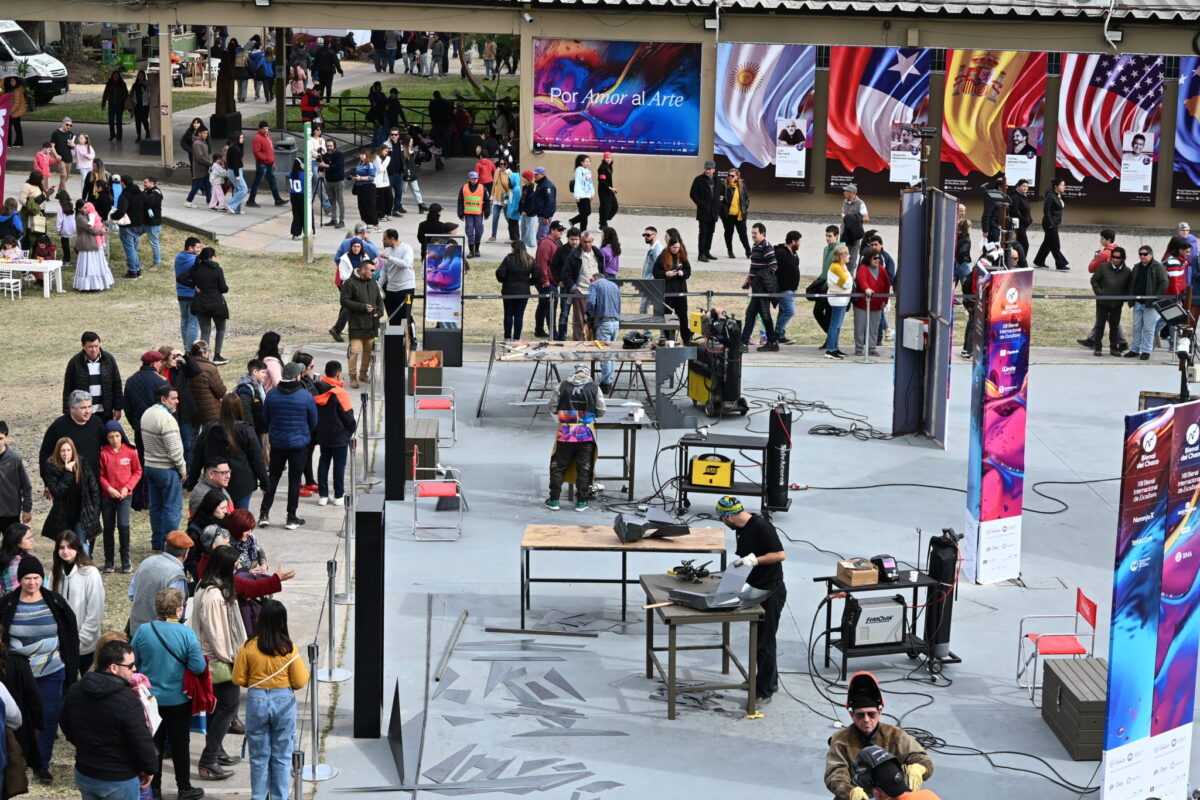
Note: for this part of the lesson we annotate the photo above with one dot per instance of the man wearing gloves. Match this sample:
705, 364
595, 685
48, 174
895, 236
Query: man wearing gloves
865, 702
758, 545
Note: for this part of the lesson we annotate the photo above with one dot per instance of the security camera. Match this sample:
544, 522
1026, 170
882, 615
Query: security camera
527, 17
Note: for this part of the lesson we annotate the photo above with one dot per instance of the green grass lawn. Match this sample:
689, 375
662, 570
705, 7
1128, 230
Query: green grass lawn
90, 111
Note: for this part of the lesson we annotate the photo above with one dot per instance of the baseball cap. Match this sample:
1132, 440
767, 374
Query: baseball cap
729, 505
527, 174
1183, 226
473, 175
292, 371
557, 226
539, 170
710, 165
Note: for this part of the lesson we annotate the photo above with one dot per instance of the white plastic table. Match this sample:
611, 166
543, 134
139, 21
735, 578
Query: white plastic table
53, 269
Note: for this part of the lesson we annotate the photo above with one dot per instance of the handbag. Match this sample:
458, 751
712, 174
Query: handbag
222, 672
197, 688
818, 286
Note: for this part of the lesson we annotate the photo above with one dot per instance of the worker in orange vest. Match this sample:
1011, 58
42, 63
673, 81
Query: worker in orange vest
474, 206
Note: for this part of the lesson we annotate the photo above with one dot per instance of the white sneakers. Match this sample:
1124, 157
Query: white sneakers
337, 501
324, 501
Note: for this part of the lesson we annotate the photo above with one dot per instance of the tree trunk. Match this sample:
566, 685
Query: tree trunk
72, 40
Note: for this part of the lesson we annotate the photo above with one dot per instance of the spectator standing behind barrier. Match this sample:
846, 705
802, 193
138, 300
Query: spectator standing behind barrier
220, 631
821, 308
16, 490
1052, 217
673, 268
233, 441
547, 248
760, 281
364, 189
270, 668
604, 309
839, 285
735, 209
545, 201
787, 274
397, 279
582, 264
382, 162
528, 219
1113, 278
335, 427
362, 299
706, 194
515, 275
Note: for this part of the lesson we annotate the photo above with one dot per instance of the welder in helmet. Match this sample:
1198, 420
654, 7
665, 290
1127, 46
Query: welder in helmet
864, 700
879, 772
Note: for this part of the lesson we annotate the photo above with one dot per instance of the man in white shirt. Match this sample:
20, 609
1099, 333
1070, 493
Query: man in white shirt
656, 245
398, 280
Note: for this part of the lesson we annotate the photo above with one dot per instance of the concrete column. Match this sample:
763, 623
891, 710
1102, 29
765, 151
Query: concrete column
157, 120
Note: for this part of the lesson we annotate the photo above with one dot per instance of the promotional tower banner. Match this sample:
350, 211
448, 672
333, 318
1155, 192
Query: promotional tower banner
996, 459
1185, 169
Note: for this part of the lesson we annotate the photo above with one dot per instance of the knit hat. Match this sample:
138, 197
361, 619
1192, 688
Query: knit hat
179, 540
527, 174
607, 155
729, 505
30, 566
151, 357
292, 371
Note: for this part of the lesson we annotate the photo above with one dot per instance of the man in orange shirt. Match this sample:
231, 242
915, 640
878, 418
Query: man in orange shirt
879, 772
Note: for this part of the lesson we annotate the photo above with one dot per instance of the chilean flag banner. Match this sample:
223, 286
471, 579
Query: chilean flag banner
875, 94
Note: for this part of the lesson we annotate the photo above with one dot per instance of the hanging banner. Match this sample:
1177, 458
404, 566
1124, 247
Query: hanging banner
621, 97
993, 118
1185, 169
996, 459
1109, 115
443, 280
879, 103
764, 112
5, 124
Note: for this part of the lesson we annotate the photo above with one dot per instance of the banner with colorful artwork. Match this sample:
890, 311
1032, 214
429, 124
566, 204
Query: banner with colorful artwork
1185, 169
444, 280
764, 112
992, 118
996, 457
623, 97
1109, 117
879, 101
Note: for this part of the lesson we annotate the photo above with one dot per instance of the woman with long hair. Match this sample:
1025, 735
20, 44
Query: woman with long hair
32, 202
364, 189
41, 627
208, 306
98, 172
114, 97
15, 86
232, 440
608, 195
189, 136
85, 155
674, 268
735, 209
268, 353
515, 275
234, 167
76, 578
412, 172
383, 187
139, 93
76, 494
16, 544
583, 189
207, 521
502, 189
610, 245
270, 667
64, 224
218, 625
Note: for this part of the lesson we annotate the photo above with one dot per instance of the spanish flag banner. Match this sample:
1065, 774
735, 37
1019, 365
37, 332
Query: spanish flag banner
993, 117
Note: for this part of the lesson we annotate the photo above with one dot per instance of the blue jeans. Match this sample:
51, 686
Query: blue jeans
243, 502
264, 172
95, 789
529, 231
836, 315
189, 326
240, 190
497, 215
129, 240
1145, 325
543, 228
397, 182
200, 184
606, 331
185, 436
391, 59
787, 310
155, 247
474, 229
50, 687
166, 503
270, 733
336, 456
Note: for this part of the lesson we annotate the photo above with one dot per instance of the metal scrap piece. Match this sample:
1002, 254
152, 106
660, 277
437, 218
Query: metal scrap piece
555, 677
600, 786
440, 771
536, 764
496, 673
448, 678
456, 721
569, 732
541, 691
458, 696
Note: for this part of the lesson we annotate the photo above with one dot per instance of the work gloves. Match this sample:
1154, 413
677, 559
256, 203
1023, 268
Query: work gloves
751, 560
914, 775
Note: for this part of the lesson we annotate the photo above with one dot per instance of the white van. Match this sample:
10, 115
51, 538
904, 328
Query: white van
46, 74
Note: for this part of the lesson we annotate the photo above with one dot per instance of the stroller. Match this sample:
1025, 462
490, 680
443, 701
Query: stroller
427, 149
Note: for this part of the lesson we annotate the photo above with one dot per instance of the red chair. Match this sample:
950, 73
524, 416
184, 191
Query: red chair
443, 401
444, 483
1055, 643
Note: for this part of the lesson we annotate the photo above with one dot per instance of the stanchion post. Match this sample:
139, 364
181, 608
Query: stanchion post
373, 431
297, 775
346, 598
315, 770
367, 479
333, 673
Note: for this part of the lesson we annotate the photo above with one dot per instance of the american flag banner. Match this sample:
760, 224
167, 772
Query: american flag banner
1106, 101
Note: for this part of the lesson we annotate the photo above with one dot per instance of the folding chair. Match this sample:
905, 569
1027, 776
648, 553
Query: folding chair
445, 483
1056, 643
443, 401
10, 283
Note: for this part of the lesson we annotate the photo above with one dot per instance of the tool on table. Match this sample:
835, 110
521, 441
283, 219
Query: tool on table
689, 573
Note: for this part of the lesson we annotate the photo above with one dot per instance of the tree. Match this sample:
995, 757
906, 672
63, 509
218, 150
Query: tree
72, 40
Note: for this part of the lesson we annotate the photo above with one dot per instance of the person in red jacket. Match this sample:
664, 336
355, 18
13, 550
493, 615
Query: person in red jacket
264, 164
120, 471
870, 279
310, 104
486, 169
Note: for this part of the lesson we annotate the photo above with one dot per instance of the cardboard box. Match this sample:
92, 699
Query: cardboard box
424, 380
857, 572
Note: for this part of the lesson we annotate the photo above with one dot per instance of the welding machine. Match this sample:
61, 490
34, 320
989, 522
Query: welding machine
712, 469
715, 374
875, 621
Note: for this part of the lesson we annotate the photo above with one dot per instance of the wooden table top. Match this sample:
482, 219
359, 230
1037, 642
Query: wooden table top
603, 537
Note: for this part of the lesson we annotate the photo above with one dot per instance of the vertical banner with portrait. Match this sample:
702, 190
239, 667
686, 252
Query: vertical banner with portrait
764, 112
882, 99
1109, 114
1185, 169
623, 97
5, 127
999, 400
444, 272
993, 118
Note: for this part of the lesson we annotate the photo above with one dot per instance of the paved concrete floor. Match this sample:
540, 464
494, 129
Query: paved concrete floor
1074, 434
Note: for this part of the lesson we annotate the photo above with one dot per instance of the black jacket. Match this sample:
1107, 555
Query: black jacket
357, 294
706, 199
88, 439
114, 95
574, 265
962, 247
743, 198
513, 277
676, 284
77, 378
19, 680
208, 279
1020, 208
180, 377
233, 158
545, 199
326, 62
131, 204
1052, 211
103, 718
787, 268
73, 502
139, 393
558, 261
335, 424
247, 469
68, 629
152, 206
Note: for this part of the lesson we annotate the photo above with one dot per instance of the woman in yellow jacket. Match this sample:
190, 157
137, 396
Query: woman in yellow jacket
270, 668
840, 282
